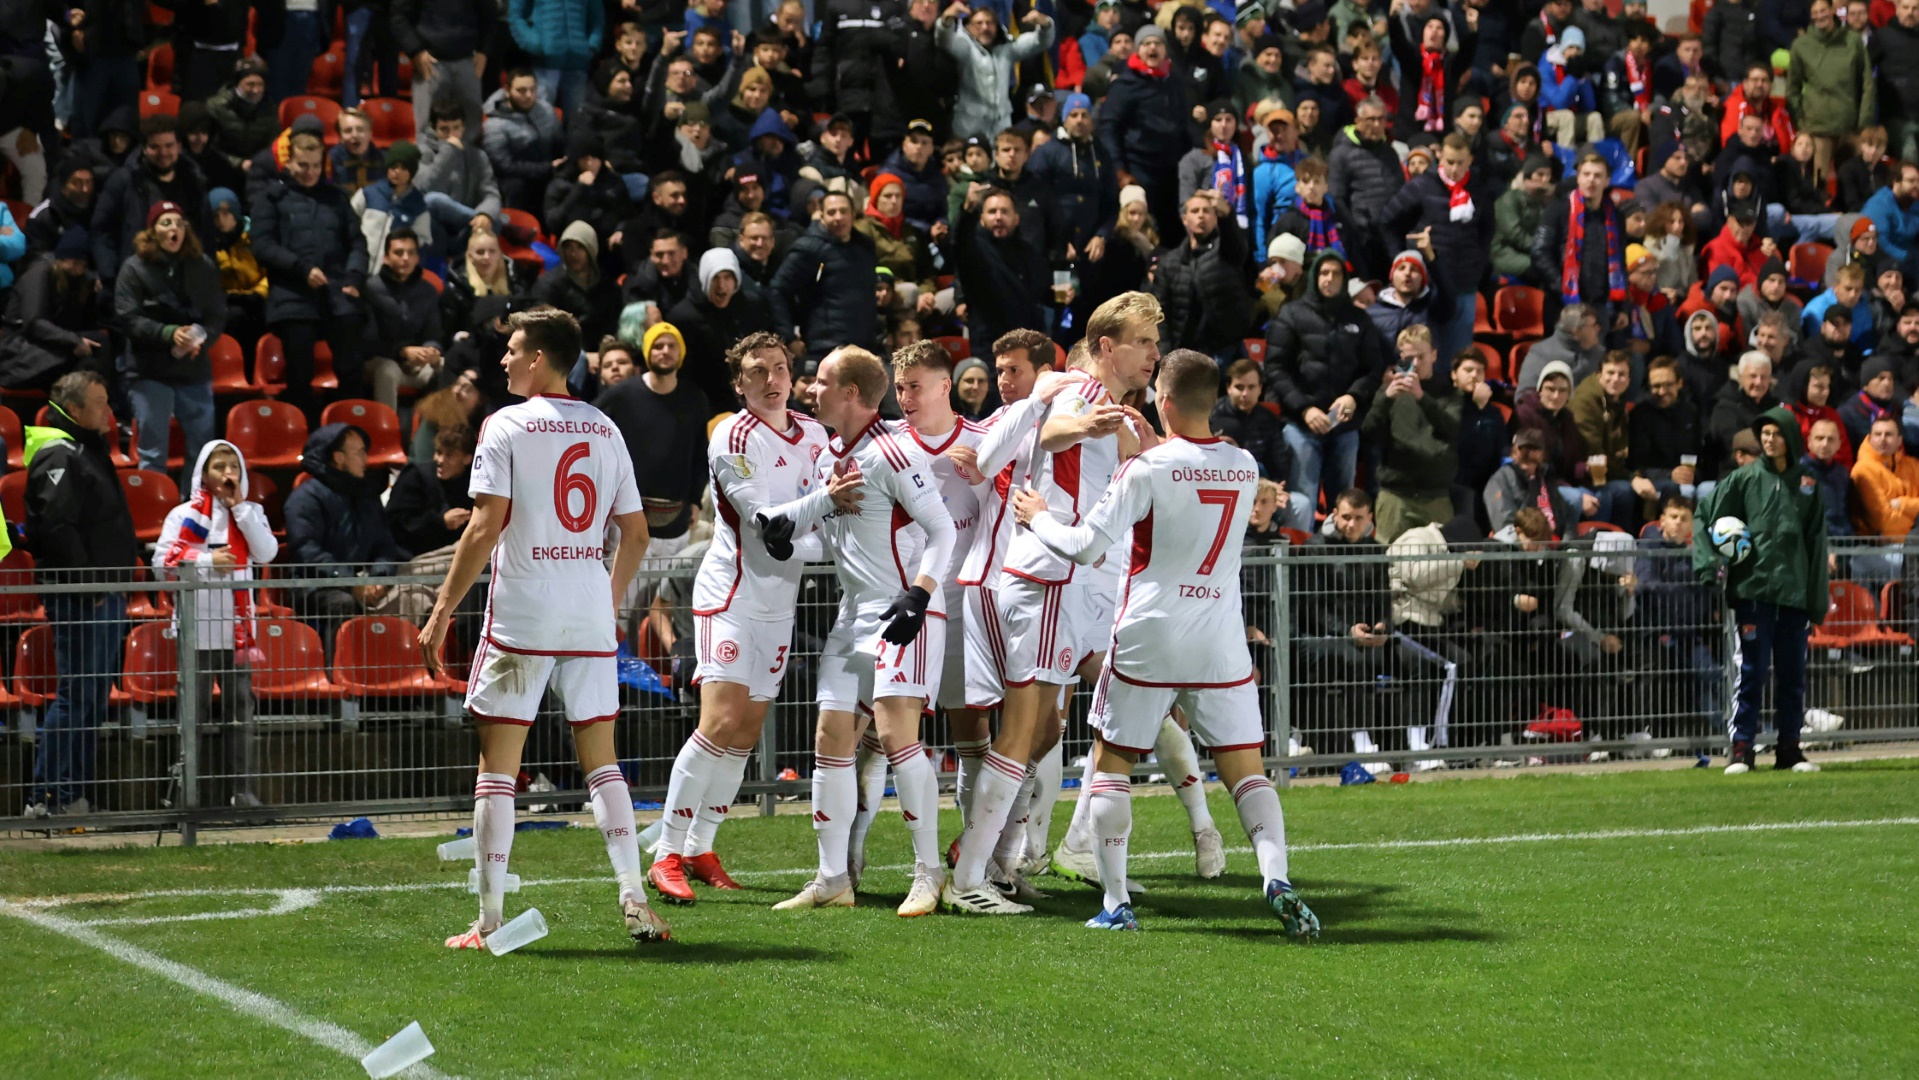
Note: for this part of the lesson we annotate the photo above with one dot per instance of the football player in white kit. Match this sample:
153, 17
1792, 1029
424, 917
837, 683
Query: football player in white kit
550, 607
1179, 638
1083, 435
923, 385
886, 653
743, 604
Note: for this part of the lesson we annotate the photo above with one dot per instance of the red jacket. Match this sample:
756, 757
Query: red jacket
1778, 120
1744, 260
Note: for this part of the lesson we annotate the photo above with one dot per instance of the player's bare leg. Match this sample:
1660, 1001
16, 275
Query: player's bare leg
897, 719
835, 802
706, 777
613, 814
1244, 775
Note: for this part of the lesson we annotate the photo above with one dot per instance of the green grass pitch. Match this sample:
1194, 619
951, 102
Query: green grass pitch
1672, 938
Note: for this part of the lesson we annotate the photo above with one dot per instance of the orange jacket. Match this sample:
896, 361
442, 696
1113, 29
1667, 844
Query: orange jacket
1877, 480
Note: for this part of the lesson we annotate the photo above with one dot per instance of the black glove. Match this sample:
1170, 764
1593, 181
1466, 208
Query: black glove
777, 532
905, 617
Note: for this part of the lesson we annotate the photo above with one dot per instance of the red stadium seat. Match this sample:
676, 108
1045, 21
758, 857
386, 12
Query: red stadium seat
392, 118
261, 489
433, 279
379, 655
381, 424
16, 570
1481, 324
13, 496
35, 673
1295, 537
158, 103
521, 253
1806, 265
1519, 310
270, 434
152, 671
1255, 349
327, 110
1516, 362
956, 347
269, 365
1495, 364
295, 667
323, 376
327, 78
230, 369
1852, 619
148, 605
150, 496
1587, 528
160, 67
15, 435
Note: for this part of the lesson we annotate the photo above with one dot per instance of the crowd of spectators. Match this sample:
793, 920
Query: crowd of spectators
1326, 198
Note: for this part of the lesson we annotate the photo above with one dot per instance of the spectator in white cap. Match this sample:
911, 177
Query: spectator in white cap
725, 308
1284, 276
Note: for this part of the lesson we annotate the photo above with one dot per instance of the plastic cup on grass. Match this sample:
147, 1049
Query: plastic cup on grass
523, 929
409, 1047
473, 881
459, 850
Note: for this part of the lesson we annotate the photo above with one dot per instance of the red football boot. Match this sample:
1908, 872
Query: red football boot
668, 877
707, 870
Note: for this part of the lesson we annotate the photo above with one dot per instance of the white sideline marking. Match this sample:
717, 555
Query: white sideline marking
288, 901
318, 891
237, 998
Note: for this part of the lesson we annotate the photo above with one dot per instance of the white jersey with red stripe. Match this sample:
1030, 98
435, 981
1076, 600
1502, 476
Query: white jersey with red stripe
1071, 480
1184, 504
900, 532
565, 468
1005, 438
754, 468
961, 498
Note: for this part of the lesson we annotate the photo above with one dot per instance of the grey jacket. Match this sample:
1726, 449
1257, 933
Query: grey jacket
984, 108
462, 174
521, 144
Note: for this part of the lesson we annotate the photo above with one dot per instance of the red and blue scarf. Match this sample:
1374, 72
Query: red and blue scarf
1431, 113
1229, 177
194, 530
1576, 248
1322, 231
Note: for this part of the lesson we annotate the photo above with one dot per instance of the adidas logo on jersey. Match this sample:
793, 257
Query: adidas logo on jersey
780, 464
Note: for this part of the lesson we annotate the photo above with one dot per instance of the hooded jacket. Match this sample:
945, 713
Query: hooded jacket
776, 173
1786, 518
77, 516
245, 127
1085, 185
926, 188
707, 331
189, 536
336, 521
1392, 312
1516, 217
1423, 587
1319, 348
1879, 479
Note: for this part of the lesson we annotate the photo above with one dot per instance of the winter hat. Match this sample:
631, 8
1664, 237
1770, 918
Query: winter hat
1660, 154
223, 197
695, 113
656, 332
1772, 266
966, 365
74, 243
1076, 101
1636, 254
1535, 162
1289, 247
582, 234
195, 118
308, 124
1418, 261
1308, 16
1724, 273
715, 261
1874, 367
251, 65
163, 207
1861, 227
582, 144
1148, 33
1572, 37
1268, 41
1630, 207
1221, 107
1130, 194
1425, 151
1554, 367
405, 155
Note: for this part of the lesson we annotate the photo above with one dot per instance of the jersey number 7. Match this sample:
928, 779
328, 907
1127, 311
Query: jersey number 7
1227, 501
566, 482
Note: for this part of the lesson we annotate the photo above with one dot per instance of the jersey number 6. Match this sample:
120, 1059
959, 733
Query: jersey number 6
566, 482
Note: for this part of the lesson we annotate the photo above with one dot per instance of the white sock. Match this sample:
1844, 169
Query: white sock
1012, 838
836, 800
1363, 743
919, 794
492, 842
613, 813
686, 790
1265, 825
1079, 831
1180, 762
972, 754
869, 764
1111, 799
721, 790
999, 785
1039, 819
1416, 739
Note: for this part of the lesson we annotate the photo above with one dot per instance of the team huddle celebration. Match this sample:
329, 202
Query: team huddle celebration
985, 568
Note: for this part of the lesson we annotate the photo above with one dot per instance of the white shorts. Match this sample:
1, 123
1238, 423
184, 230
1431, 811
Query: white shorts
855, 673
984, 648
506, 686
952, 691
1093, 596
1126, 715
1042, 634
750, 650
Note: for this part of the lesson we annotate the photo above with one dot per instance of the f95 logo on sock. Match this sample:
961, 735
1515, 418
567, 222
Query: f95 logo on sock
617, 830
495, 856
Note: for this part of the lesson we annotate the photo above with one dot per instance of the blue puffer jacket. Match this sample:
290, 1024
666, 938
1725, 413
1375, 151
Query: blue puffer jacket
335, 518
564, 34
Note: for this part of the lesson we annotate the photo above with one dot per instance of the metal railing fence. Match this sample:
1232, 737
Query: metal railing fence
128, 714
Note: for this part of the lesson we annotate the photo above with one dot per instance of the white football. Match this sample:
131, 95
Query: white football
1731, 540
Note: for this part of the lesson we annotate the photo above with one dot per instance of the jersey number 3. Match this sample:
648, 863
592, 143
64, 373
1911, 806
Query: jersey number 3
566, 482
1227, 500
